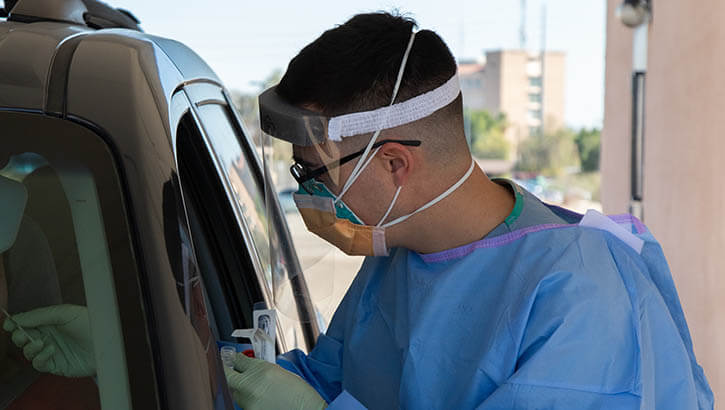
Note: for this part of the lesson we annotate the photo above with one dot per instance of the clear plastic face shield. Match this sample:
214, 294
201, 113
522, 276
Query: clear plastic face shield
312, 167
327, 270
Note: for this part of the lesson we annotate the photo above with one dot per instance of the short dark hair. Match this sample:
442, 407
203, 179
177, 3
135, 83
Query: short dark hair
353, 67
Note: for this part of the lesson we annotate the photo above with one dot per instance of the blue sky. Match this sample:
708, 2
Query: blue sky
244, 41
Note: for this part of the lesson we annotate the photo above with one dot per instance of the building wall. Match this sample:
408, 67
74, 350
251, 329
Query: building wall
503, 85
554, 81
471, 78
616, 131
514, 94
507, 89
684, 149
492, 73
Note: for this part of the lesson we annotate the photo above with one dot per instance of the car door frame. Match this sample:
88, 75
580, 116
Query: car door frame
215, 93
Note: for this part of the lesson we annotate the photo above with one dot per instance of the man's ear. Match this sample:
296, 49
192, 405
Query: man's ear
399, 161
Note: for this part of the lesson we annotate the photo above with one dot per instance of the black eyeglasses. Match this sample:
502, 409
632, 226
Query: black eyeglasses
302, 173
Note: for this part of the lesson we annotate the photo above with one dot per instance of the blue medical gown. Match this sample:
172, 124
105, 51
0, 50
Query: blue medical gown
553, 316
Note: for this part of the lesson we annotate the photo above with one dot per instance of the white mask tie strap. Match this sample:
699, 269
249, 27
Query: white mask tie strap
361, 162
436, 199
390, 208
402, 67
352, 178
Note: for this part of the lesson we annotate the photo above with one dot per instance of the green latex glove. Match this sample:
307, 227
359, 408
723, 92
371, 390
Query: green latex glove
61, 342
258, 385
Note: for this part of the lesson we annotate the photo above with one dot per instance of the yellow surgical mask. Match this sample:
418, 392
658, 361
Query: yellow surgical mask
320, 217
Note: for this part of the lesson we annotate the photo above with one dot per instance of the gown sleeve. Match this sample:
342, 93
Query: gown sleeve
322, 367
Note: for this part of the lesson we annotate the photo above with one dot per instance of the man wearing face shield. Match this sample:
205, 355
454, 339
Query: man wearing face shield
474, 294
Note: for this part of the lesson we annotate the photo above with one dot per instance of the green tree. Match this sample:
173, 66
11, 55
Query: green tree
588, 144
487, 134
549, 154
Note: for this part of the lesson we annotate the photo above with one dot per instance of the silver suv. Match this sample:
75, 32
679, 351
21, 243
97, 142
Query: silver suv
144, 201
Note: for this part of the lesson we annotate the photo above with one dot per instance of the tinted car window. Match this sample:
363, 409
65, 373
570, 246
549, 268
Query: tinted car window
247, 190
264, 223
191, 286
229, 278
71, 241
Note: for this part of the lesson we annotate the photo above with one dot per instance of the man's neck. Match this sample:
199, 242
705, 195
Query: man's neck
467, 215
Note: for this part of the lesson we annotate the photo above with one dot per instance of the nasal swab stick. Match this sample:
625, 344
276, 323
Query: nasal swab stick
16, 324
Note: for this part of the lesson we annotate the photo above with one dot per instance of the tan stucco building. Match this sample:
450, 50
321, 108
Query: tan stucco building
511, 81
684, 153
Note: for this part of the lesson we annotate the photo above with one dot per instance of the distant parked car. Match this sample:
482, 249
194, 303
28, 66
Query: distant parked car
145, 203
286, 201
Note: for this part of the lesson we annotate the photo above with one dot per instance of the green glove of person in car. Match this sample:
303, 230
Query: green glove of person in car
256, 384
61, 339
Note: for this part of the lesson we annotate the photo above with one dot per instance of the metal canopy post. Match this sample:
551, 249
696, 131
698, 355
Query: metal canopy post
637, 169
637, 15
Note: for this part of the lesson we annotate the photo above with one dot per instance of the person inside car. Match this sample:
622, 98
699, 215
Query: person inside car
29, 283
14, 197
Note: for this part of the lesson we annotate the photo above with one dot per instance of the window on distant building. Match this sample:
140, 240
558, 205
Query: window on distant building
536, 114
535, 81
534, 131
535, 98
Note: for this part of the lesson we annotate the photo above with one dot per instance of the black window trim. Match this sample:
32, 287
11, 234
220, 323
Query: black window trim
191, 197
305, 308
246, 233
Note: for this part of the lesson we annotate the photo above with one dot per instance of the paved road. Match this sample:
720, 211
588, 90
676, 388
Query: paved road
328, 271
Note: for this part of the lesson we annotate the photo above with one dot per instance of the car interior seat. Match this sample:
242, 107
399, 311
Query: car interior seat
56, 223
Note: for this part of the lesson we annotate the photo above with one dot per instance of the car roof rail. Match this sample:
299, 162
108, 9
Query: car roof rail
100, 15
91, 13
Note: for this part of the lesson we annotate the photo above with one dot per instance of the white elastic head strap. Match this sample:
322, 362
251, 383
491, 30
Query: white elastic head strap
361, 163
392, 116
